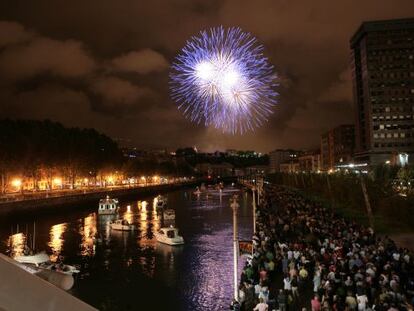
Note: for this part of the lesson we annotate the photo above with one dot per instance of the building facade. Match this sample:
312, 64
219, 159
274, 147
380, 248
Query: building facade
382, 61
310, 162
280, 156
289, 167
337, 146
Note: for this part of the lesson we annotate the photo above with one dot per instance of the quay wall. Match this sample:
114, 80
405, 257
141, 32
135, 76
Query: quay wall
56, 203
69, 200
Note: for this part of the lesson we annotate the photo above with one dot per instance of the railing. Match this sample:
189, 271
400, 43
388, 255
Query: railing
44, 194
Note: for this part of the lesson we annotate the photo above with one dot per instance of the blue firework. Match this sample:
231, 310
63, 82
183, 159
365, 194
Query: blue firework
222, 79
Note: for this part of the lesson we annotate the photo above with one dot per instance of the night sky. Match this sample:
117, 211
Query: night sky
105, 64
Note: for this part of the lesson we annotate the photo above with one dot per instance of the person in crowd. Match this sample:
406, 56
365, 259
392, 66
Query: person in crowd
261, 306
315, 303
282, 300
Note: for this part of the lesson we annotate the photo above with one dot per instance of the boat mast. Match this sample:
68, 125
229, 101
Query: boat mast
34, 236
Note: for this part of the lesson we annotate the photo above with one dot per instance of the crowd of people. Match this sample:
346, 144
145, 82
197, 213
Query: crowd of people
308, 258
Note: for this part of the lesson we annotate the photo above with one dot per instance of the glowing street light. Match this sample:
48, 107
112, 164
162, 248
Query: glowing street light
17, 183
57, 182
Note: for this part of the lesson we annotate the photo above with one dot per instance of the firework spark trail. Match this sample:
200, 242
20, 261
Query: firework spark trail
222, 79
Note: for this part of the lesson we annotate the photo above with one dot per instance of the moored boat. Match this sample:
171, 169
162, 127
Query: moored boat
42, 260
108, 206
121, 225
169, 235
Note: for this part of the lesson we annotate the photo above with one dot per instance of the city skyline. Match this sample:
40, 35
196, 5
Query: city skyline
117, 81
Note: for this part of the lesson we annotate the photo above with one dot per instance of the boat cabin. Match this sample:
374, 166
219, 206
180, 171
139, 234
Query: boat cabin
108, 205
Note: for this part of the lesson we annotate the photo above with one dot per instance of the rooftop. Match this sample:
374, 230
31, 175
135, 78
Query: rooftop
381, 25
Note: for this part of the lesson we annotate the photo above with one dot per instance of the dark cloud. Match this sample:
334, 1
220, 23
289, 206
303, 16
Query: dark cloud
43, 55
116, 53
143, 62
12, 33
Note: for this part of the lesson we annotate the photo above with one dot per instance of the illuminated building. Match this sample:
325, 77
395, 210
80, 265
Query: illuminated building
382, 60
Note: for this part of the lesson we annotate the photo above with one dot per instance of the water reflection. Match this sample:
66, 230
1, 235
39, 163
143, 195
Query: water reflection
16, 243
56, 240
134, 265
128, 215
88, 233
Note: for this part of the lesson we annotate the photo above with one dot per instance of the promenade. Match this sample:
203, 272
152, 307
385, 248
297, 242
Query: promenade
34, 202
308, 258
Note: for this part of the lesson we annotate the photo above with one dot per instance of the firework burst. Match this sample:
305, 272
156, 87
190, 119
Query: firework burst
222, 79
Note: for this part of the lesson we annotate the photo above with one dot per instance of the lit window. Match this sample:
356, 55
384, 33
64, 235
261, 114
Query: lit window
402, 135
389, 135
387, 109
395, 135
381, 126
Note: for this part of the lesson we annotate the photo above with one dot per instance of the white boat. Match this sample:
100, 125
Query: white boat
169, 235
108, 206
42, 260
169, 214
35, 259
122, 225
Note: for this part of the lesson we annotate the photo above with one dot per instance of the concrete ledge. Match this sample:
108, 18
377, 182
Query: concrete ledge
20, 290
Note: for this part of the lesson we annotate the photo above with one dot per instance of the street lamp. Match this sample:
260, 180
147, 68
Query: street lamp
235, 206
254, 209
17, 183
57, 182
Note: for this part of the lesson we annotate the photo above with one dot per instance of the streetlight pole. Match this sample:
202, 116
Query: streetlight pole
254, 209
259, 189
235, 206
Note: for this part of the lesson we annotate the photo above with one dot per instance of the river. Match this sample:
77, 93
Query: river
131, 270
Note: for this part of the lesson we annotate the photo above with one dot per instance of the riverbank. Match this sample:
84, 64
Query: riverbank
59, 202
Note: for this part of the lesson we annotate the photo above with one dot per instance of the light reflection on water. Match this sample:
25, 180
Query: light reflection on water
88, 232
56, 240
131, 266
16, 243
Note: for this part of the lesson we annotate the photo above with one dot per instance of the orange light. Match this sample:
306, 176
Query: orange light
57, 181
16, 182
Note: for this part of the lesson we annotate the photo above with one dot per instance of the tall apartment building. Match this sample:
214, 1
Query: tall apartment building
337, 146
280, 156
382, 60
